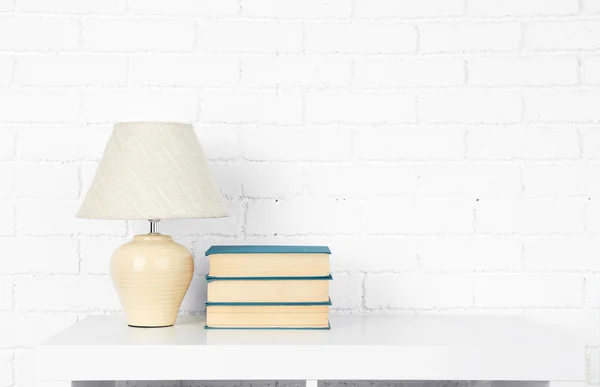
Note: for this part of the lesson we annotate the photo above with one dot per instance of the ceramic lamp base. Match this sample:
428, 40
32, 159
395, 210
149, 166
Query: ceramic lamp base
151, 274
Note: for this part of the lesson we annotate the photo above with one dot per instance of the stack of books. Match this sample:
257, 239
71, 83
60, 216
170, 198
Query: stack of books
268, 287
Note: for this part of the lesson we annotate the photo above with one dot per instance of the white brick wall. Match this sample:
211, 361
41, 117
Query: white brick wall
447, 150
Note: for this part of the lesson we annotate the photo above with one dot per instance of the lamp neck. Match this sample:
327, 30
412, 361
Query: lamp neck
153, 226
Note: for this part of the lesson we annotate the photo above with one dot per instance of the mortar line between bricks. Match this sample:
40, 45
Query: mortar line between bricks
379, 309
320, 54
475, 272
361, 126
353, 20
397, 56
392, 90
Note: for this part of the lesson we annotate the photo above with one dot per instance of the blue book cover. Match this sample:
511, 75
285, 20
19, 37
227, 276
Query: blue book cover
323, 278
263, 249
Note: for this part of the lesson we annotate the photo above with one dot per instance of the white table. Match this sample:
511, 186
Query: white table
104, 348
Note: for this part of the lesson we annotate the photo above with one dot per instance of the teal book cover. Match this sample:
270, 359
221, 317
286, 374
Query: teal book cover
328, 327
267, 249
318, 278
210, 303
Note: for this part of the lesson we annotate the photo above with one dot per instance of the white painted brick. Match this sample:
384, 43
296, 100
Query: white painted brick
370, 254
592, 6
469, 36
260, 106
592, 215
30, 105
590, 141
39, 181
230, 226
7, 143
562, 35
139, 105
418, 291
561, 179
138, 34
401, 216
523, 142
47, 143
219, 141
184, 70
346, 291
592, 290
6, 69
72, 6
405, 9
528, 290
294, 9
71, 70
303, 216
593, 361
185, 7
561, 253
470, 254
530, 216
96, 254
6, 369
7, 219
359, 37
88, 171
7, 5
470, 107
532, 71
39, 33
292, 71
42, 218
228, 178
560, 105
360, 108
6, 294
410, 143
386, 73
522, 7
29, 256
249, 36
582, 323
28, 330
66, 294
349, 181
272, 180
591, 69
25, 369
314, 143
468, 180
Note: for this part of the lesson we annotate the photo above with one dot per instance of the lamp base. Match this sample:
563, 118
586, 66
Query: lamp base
151, 273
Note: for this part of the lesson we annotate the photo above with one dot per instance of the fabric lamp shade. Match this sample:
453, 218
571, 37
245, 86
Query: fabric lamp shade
153, 170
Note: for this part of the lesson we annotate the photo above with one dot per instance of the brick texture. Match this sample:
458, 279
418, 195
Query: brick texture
448, 151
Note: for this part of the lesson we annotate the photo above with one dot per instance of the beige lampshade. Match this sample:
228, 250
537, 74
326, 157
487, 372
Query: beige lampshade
153, 170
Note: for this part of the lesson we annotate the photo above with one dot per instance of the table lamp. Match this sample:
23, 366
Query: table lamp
152, 171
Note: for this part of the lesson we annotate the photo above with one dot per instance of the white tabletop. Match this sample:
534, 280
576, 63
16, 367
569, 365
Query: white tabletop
357, 347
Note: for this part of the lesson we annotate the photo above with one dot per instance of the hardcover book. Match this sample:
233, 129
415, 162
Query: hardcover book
268, 315
269, 261
268, 289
